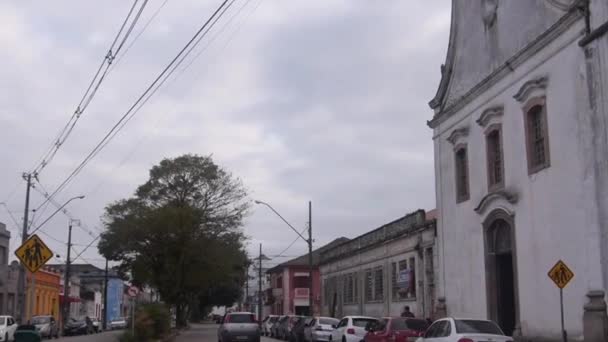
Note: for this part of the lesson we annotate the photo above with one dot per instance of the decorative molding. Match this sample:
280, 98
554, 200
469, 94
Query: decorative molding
509, 196
457, 134
488, 114
530, 86
438, 103
488, 15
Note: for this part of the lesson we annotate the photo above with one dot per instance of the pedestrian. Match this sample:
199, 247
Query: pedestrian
407, 313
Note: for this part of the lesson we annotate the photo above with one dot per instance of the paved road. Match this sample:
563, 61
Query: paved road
205, 333
109, 336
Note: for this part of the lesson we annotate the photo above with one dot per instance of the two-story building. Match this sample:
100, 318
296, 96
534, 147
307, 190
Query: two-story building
8, 276
380, 272
289, 284
521, 165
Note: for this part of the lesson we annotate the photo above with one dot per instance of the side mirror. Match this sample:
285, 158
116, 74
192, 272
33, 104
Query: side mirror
334, 326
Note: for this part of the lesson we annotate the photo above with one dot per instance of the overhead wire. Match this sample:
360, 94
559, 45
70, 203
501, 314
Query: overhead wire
130, 112
87, 97
293, 242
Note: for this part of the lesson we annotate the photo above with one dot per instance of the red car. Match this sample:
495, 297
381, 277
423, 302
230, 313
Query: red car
396, 329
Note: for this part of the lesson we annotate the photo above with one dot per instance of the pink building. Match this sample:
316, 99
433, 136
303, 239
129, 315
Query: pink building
289, 290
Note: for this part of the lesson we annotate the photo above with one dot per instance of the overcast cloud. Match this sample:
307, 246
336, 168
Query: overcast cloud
321, 100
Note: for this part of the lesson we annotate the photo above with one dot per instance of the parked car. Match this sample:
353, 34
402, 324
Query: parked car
239, 326
285, 327
118, 323
320, 329
7, 328
77, 326
46, 326
217, 318
297, 332
351, 329
274, 329
464, 330
97, 328
267, 324
396, 329
27, 333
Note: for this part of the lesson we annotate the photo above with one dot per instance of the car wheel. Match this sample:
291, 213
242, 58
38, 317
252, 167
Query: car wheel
343, 339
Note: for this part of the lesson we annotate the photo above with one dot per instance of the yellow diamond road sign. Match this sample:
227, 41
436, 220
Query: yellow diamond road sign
33, 253
561, 274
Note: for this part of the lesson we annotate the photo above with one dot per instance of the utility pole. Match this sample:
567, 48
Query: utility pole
247, 289
105, 298
66, 281
260, 287
311, 310
24, 236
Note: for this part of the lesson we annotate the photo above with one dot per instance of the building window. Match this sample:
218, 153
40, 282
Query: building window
537, 139
494, 157
396, 268
412, 292
350, 288
279, 282
374, 285
462, 173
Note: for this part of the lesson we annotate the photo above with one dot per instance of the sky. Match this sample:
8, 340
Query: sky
303, 100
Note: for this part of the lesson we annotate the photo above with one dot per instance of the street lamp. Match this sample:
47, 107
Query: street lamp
308, 241
56, 211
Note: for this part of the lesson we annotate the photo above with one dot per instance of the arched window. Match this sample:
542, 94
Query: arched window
495, 158
462, 173
537, 139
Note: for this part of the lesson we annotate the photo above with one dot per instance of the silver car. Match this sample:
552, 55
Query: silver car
320, 329
239, 327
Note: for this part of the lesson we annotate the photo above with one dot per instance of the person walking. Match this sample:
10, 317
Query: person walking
407, 313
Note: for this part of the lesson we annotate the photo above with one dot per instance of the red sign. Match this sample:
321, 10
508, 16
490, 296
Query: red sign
132, 292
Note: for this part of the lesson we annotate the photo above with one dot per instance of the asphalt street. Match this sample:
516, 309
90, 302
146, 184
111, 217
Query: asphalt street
109, 336
205, 333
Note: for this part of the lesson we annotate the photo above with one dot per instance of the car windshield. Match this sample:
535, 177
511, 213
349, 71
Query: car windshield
2, 320
273, 319
409, 324
362, 322
477, 327
41, 320
241, 318
328, 321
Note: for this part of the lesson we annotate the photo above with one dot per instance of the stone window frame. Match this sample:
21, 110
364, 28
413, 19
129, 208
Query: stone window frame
463, 192
494, 185
527, 112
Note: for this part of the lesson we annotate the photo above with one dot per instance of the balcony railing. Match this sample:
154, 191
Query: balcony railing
301, 292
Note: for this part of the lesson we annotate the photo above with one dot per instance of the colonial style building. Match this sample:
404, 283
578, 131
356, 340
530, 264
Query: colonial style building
379, 273
289, 291
521, 165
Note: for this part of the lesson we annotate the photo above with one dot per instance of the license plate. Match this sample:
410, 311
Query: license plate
241, 338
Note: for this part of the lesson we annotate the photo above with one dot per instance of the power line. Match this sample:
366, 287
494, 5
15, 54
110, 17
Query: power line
87, 97
294, 241
130, 112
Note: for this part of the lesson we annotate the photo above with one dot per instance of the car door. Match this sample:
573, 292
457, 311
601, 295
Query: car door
445, 332
11, 327
336, 335
434, 332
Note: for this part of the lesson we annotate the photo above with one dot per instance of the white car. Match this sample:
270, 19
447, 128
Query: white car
351, 329
320, 329
7, 328
464, 330
118, 323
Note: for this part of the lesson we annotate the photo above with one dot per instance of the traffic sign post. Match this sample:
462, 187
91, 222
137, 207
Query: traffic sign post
33, 253
561, 275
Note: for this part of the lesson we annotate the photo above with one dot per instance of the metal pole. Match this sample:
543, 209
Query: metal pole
561, 305
32, 295
66, 281
260, 288
105, 298
247, 289
21, 280
311, 310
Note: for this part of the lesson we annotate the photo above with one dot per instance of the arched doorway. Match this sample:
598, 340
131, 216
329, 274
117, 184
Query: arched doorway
501, 272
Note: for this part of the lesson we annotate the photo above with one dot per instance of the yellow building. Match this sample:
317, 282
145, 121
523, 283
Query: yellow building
45, 293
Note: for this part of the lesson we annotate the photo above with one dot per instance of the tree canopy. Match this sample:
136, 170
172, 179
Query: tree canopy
181, 232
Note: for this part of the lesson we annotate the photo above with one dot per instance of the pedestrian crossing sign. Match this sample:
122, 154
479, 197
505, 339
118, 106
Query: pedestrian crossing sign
561, 274
33, 253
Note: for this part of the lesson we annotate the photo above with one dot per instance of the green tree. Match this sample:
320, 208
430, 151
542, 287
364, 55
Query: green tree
182, 231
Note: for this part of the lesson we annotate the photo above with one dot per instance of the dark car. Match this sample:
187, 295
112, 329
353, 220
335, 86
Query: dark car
274, 329
297, 332
285, 327
77, 327
239, 326
27, 333
396, 329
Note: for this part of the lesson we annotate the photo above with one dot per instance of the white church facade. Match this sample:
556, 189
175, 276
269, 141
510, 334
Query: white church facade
520, 133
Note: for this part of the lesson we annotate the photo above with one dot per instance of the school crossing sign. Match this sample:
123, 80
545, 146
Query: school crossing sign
561, 274
33, 253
